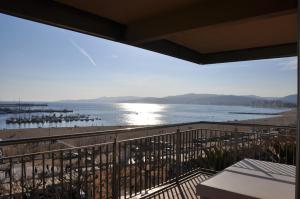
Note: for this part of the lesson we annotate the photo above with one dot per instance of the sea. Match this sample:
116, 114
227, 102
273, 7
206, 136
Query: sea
143, 114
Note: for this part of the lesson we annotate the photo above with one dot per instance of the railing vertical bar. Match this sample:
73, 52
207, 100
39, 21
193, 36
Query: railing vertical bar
208, 148
158, 160
185, 152
279, 146
173, 155
52, 167
22, 176
100, 172
120, 164
286, 148
195, 152
259, 145
114, 170
125, 169
86, 170
190, 149
189, 163
10, 177
168, 156
201, 148
71, 177
235, 145
79, 169
294, 152
62, 173
243, 144
141, 156
135, 167
178, 154
196, 145
163, 146
130, 168
255, 144
248, 143
167, 146
154, 160
33, 176
43, 174
151, 159
225, 148
146, 164
107, 167
182, 151
93, 172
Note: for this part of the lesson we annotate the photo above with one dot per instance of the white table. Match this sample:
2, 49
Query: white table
251, 179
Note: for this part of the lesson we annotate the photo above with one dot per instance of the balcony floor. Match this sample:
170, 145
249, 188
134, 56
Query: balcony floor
185, 189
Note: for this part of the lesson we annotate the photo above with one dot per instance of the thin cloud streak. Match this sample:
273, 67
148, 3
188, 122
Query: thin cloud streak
83, 52
114, 56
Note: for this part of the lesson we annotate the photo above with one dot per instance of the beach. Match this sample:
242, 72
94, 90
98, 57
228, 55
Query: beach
287, 118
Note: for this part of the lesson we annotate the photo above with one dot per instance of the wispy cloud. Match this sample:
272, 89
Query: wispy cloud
290, 64
114, 56
83, 52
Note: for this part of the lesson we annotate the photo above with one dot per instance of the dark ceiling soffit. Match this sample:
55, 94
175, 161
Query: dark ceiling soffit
172, 49
278, 51
200, 15
57, 14
175, 50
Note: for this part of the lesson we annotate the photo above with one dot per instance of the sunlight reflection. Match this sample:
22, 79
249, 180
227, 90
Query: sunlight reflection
143, 114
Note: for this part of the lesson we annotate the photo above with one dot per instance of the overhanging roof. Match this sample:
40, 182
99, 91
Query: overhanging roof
200, 31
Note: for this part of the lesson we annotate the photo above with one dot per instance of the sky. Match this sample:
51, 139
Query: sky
44, 63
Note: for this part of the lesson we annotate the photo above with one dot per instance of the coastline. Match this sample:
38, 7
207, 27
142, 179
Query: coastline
287, 118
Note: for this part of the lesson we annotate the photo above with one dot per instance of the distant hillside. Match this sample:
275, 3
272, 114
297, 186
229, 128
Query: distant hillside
203, 99
103, 100
289, 99
212, 99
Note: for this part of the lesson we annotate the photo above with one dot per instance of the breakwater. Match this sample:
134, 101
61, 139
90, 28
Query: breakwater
17, 111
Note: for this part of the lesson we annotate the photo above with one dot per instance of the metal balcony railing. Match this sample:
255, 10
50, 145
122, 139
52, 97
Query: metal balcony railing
125, 168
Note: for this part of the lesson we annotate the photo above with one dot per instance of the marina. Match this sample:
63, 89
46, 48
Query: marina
51, 119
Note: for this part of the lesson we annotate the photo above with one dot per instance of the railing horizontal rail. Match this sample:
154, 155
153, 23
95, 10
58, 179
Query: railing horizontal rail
54, 151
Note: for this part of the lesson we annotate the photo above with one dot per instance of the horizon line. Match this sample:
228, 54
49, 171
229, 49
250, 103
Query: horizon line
39, 100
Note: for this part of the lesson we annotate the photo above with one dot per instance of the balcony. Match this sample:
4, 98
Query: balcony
169, 164
165, 164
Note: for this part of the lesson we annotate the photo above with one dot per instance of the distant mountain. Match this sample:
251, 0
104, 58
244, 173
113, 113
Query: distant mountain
289, 99
103, 100
213, 99
203, 99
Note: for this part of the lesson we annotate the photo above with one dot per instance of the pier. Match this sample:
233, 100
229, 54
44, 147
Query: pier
21, 104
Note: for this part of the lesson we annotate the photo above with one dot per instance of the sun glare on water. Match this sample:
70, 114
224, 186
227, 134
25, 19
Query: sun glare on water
143, 114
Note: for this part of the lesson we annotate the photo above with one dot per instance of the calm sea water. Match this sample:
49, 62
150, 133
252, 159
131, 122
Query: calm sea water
145, 114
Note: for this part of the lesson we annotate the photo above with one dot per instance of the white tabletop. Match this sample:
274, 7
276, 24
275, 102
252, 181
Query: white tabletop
251, 179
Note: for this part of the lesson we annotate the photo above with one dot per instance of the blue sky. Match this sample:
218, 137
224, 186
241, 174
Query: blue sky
41, 62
